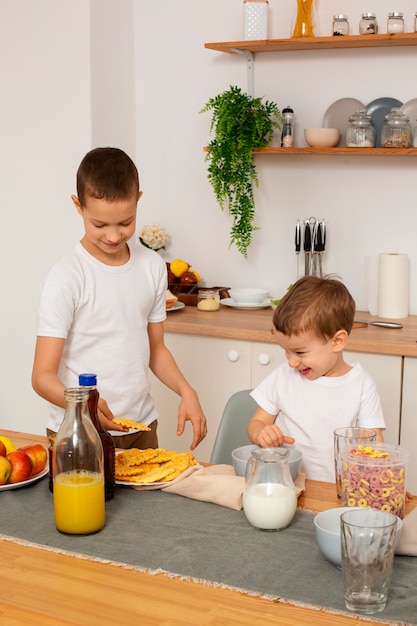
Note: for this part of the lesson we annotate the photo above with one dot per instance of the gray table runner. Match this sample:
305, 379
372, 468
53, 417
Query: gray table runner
203, 541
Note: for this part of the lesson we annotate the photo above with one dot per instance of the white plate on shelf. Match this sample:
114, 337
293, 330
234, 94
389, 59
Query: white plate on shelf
410, 109
378, 109
338, 114
29, 481
237, 305
177, 306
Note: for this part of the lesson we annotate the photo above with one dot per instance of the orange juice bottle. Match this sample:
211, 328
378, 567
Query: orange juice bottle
79, 502
78, 469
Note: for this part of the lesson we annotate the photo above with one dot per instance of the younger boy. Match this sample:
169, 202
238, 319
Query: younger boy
102, 308
306, 399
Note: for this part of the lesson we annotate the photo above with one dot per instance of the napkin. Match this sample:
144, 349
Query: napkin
407, 544
215, 483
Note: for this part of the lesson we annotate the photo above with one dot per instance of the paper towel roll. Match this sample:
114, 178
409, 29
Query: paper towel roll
393, 285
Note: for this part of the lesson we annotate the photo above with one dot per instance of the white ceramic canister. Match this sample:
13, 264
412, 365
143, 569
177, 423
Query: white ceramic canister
255, 19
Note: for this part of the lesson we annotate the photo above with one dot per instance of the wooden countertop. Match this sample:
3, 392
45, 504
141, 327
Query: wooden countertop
49, 588
257, 325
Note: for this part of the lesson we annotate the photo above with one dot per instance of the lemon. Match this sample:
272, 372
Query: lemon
197, 275
10, 447
178, 267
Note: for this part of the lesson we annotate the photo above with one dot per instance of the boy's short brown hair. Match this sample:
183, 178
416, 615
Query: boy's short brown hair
319, 305
107, 174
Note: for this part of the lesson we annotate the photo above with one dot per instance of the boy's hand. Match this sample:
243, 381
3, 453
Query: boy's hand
270, 436
106, 416
190, 410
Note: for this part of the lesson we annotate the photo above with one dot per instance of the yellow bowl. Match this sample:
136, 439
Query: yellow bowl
322, 137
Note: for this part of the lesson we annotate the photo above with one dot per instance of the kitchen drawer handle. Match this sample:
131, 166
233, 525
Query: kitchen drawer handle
233, 356
264, 359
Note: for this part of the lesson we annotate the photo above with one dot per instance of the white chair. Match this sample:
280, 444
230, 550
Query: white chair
232, 429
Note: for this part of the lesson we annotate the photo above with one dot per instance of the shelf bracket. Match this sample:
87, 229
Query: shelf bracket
250, 68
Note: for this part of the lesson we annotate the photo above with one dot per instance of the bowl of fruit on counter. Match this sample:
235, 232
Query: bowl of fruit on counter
182, 279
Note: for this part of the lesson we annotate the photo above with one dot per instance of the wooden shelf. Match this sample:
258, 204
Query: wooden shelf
317, 43
341, 151
322, 43
337, 151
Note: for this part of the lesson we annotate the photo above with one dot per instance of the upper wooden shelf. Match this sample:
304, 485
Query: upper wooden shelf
317, 43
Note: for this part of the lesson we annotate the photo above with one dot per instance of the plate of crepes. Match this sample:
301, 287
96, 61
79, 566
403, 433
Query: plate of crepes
151, 467
128, 423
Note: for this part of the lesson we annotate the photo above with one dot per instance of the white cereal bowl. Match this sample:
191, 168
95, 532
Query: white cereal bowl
241, 456
327, 528
322, 137
248, 295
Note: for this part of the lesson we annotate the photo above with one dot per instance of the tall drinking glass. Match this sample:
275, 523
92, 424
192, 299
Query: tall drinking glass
368, 544
348, 435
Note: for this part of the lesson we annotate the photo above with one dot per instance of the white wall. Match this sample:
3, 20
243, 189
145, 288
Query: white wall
45, 126
368, 201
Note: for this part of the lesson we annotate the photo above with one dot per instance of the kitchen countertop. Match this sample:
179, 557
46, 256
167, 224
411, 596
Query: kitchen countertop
256, 325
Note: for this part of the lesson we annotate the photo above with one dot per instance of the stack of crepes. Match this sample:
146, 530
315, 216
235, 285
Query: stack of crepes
152, 465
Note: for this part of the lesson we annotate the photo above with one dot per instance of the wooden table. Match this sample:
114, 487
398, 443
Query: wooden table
43, 588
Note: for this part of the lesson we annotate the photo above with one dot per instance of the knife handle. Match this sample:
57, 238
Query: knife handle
297, 237
307, 238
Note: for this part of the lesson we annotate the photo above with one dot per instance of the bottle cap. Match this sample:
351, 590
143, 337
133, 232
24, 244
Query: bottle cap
87, 380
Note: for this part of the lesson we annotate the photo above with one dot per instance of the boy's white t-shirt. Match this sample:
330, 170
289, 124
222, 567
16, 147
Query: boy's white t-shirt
103, 312
310, 410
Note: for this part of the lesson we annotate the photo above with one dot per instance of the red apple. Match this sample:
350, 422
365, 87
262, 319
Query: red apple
188, 278
5, 469
3, 451
22, 466
38, 455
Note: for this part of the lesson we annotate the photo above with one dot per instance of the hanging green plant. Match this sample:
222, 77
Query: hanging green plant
241, 124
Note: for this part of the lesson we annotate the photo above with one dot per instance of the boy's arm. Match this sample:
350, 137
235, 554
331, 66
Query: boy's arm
46, 383
263, 431
163, 365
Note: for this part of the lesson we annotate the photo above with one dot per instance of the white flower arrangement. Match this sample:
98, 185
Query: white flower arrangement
154, 236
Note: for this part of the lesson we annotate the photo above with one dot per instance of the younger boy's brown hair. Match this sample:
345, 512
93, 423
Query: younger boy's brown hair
319, 305
107, 174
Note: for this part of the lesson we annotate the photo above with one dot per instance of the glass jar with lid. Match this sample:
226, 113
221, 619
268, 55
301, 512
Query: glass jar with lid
368, 24
208, 300
395, 23
396, 132
361, 132
340, 25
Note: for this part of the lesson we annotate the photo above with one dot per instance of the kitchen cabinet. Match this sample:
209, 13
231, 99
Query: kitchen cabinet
408, 438
386, 370
216, 368
250, 48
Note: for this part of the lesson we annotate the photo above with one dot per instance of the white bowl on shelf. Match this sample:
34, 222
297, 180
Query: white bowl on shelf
322, 137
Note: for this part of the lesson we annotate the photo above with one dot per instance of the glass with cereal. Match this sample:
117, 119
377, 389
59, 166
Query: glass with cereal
374, 476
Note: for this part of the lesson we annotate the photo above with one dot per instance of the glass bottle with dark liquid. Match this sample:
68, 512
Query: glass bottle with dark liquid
90, 381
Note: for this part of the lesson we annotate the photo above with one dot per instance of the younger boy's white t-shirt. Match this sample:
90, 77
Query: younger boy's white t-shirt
310, 410
103, 312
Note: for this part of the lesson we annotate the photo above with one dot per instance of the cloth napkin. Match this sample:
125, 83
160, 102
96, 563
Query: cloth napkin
213, 483
407, 544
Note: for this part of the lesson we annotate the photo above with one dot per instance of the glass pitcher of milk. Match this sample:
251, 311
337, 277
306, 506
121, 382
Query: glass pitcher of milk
270, 498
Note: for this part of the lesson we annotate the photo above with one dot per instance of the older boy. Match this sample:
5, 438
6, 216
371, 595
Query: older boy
102, 308
305, 400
